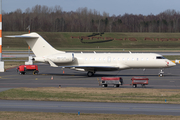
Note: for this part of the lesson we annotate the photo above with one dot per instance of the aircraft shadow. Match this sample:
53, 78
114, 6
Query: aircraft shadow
145, 75
99, 75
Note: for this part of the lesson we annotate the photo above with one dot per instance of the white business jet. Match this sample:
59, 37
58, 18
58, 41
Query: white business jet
92, 62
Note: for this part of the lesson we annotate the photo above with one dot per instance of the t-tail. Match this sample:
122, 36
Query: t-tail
43, 51
38, 45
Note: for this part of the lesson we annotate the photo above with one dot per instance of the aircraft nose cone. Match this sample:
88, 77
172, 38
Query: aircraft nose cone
171, 64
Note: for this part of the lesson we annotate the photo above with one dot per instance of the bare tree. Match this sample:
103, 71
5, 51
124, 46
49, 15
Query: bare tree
43, 18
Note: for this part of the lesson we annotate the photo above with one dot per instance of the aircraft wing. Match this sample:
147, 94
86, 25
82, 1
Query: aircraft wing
94, 68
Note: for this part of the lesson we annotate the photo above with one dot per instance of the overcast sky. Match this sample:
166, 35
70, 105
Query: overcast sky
116, 7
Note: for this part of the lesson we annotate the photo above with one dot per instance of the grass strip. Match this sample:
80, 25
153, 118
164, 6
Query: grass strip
12, 64
64, 40
121, 50
172, 57
82, 116
127, 95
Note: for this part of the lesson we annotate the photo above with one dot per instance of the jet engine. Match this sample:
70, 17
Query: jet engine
57, 58
62, 58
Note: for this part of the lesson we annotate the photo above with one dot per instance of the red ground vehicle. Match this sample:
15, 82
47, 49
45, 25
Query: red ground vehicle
23, 69
115, 81
139, 80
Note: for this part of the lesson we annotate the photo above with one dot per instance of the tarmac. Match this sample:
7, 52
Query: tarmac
53, 77
72, 78
90, 107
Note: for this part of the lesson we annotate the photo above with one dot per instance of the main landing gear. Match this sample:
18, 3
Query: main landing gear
90, 74
161, 73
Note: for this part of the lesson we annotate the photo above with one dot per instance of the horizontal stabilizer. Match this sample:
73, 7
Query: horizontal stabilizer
21, 36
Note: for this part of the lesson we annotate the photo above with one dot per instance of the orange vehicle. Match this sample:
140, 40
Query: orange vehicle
139, 80
23, 69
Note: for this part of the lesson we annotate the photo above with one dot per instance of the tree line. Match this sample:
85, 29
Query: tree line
53, 19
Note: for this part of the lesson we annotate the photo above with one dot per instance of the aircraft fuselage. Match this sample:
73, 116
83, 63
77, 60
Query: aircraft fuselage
117, 60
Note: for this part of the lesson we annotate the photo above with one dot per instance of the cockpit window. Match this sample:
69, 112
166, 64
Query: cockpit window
160, 57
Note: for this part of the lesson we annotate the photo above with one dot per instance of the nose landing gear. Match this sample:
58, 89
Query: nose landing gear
161, 73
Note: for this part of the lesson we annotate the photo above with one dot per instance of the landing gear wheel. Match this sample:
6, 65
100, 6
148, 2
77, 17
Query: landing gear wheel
116, 85
22, 73
90, 74
161, 73
35, 72
104, 85
143, 85
135, 86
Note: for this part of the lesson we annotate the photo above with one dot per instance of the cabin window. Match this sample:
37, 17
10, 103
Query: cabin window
133, 59
147, 59
118, 59
160, 57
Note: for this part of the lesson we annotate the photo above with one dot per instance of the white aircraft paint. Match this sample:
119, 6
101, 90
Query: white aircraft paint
91, 62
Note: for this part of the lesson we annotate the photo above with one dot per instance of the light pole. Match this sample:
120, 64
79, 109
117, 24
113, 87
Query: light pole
1, 62
0, 30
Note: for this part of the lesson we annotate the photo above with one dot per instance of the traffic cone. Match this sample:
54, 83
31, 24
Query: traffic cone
52, 78
63, 71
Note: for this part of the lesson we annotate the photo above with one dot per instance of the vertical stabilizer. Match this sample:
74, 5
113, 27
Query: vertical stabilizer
38, 45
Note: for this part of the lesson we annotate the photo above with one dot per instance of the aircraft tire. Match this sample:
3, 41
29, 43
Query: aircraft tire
90, 74
35, 72
143, 85
135, 86
160, 75
116, 85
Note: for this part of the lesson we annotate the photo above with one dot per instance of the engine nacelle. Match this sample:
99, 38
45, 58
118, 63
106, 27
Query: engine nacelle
39, 59
62, 58
57, 58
